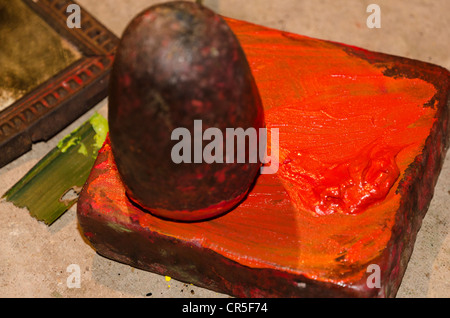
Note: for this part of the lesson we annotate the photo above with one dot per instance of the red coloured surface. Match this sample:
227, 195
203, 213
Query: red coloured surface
362, 140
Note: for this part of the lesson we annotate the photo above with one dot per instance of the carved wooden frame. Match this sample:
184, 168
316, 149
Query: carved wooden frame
57, 102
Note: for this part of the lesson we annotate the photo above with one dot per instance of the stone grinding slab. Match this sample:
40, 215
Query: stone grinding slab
272, 245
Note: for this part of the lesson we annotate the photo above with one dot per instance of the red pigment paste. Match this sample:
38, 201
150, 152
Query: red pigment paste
340, 155
346, 187
342, 124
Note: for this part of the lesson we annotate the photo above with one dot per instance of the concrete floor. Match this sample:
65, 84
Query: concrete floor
34, 258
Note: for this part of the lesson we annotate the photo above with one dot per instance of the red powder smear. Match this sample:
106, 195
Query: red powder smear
347, 187
341, 123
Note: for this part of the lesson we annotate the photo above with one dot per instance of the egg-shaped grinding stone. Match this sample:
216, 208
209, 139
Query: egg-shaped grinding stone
180, 86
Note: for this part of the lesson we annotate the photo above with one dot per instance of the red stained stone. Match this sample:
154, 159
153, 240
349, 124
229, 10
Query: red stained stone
363, 136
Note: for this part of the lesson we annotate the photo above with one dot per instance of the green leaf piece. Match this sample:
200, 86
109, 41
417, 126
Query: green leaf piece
52, 186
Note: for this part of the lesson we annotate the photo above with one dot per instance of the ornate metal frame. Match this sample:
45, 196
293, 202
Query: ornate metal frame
57, 102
